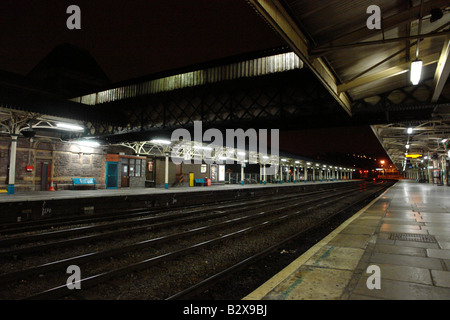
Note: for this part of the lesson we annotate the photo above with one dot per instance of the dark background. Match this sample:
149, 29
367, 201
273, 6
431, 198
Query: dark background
129, 39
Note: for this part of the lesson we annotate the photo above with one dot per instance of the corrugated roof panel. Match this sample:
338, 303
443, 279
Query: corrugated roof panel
249, 68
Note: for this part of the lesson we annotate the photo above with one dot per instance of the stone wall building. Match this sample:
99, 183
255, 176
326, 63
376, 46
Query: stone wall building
40, 161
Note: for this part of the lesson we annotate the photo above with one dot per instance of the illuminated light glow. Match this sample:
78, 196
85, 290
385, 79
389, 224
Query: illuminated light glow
407, 146
241, 153
87, 143
416, 71
68, 126
297, 161
444, 140
265, 157
309, 163
410, 130
284, 160
204, 148
161, 141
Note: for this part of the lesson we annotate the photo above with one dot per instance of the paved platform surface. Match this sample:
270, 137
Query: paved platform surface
74, 194
405, 233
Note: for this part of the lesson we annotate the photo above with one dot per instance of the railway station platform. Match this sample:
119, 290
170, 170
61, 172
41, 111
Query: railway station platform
395, 248
94, 193
29, 205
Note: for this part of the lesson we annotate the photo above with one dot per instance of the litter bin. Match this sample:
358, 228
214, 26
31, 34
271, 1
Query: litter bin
208, 182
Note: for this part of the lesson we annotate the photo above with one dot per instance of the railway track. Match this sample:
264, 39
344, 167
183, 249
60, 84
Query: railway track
221, 276
51, 222
219, 224
141, 221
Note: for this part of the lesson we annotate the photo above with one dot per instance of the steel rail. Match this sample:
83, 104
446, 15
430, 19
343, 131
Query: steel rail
15, 240
102, 277
224, 274
57, 221
51, 266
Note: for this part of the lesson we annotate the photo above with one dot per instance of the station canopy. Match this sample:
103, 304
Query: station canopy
367, 71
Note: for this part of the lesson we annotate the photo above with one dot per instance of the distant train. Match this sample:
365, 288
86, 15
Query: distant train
368, 175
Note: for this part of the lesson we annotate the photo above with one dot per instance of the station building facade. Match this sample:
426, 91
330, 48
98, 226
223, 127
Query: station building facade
45, 163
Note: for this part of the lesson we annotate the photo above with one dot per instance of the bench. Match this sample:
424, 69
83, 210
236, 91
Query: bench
201, 182
83, 182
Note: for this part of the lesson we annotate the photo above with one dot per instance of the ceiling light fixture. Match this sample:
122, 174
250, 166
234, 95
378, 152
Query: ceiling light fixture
87, 143
68, 126
416, 71
416, 65
160, 141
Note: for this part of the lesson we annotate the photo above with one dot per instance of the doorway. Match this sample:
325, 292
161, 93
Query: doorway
125, 180
45, 170
112, 174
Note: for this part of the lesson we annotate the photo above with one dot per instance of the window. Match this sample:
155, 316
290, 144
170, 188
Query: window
138, 168
132, 166
150, 166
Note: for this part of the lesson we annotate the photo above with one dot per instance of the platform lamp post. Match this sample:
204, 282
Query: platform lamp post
260, 173
166, 170
12, 164
276, 176
263, 160
281, 174
264, 174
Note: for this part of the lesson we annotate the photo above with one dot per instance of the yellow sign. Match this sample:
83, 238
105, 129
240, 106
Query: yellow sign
191, 179
414, 156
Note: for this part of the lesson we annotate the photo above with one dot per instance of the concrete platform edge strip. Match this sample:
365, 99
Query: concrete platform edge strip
273, 282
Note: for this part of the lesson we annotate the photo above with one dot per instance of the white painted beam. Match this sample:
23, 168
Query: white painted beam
442, 71
391, 72
275, 14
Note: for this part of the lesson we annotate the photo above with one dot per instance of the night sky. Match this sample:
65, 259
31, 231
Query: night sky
129, 39
352, 140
